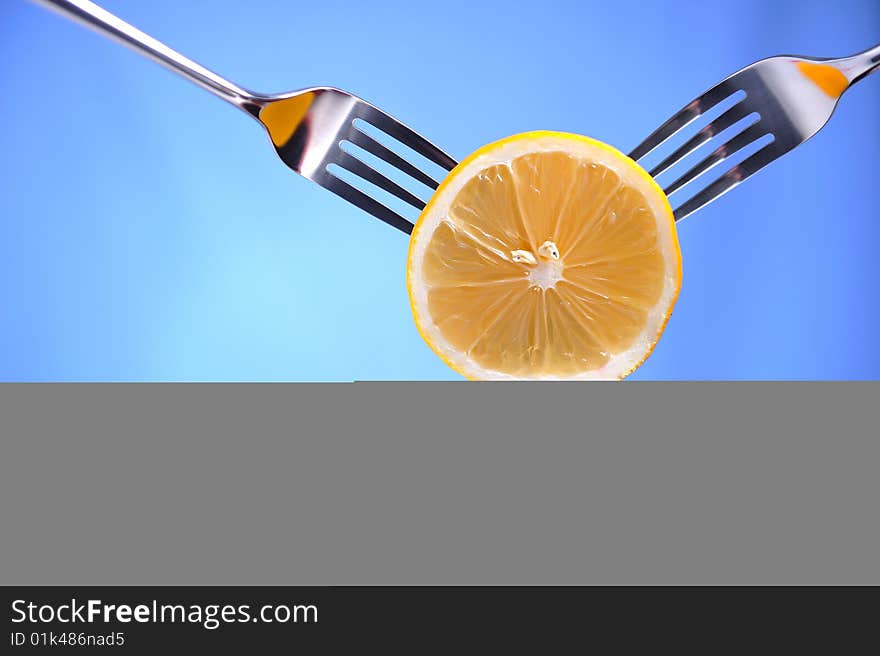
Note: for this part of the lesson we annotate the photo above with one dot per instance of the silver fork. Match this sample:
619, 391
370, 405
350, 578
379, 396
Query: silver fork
788, 98
321, 133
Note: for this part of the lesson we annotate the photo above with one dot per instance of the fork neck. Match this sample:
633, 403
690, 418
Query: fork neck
860, 66
101, 20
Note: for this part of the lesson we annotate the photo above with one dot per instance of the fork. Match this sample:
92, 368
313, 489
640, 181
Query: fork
321, 133
777, 103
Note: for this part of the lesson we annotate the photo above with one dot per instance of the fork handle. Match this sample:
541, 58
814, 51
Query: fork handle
102, 21
861, 65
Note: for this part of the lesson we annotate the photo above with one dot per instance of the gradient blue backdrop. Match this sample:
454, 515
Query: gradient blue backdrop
150, 233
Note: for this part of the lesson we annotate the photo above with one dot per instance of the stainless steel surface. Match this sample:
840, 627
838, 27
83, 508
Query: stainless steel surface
308, 128
789, 98
323, 133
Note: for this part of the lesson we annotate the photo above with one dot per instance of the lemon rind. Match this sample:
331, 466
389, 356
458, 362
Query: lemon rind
504, 150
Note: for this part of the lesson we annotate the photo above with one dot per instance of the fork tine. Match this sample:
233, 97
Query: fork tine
736, 113
729, 180
352, 164
740, 141
369, 144
407, 136
359, 199
685, 115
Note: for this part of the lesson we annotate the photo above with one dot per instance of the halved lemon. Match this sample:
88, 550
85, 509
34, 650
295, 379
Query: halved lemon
544, 256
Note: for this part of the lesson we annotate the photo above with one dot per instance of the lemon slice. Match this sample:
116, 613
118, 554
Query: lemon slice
544, 256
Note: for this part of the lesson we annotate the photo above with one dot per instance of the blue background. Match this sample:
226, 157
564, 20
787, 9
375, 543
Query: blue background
150, 233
